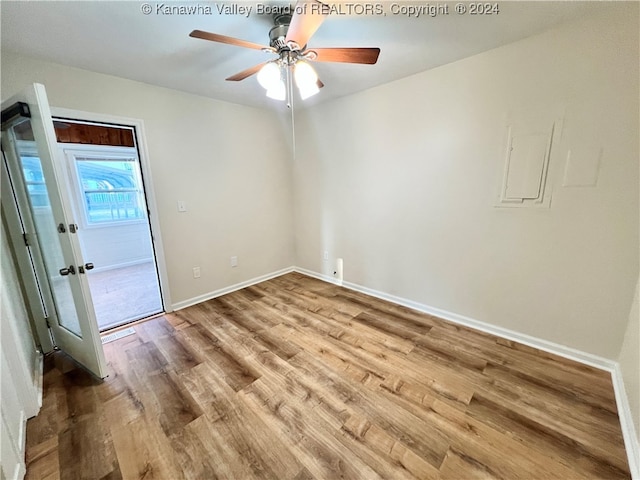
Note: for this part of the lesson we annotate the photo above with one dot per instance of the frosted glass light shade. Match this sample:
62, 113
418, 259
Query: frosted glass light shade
305, 76
269, 76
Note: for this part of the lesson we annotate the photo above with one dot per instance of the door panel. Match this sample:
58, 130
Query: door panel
46, 228
45, 202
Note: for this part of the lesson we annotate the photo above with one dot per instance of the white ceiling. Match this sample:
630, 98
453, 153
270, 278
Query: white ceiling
116, 38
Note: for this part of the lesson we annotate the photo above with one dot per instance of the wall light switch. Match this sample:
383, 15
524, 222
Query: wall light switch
234, 261
325, 256
196, 272
182, 206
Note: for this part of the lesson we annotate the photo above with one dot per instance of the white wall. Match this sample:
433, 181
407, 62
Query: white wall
116, 246
230, 163
401, 182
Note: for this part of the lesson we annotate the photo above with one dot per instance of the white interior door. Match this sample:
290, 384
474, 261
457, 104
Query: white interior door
43, 198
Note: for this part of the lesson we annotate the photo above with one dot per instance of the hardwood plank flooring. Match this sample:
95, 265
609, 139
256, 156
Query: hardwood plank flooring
295, 378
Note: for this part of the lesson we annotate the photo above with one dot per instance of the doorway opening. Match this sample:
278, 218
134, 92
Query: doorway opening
109, 203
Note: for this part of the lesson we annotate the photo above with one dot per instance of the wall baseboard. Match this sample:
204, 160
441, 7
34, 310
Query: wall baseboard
130, 263
622, 401
551, 347
631, 442
232, 288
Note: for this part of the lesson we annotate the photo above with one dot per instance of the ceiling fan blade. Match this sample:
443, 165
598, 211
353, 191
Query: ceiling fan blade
246, 73
367, 56
308, 16
214, 37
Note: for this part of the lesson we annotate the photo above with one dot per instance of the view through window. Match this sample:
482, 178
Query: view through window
111, 190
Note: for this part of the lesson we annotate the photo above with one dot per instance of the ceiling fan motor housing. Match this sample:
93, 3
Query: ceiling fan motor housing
278, 34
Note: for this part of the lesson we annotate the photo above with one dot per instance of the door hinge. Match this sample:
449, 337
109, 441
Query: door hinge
46, 319
26, 240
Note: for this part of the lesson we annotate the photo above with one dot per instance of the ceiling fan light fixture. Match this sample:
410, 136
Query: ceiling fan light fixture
306, 77
288, 38
269, 76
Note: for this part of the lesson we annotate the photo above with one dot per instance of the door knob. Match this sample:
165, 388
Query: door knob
69, 270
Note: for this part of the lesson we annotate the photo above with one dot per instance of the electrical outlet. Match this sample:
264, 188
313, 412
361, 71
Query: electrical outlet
234, 261
182, 206
325, 256
196, 272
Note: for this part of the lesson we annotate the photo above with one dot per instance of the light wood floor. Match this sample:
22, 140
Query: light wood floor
298, 379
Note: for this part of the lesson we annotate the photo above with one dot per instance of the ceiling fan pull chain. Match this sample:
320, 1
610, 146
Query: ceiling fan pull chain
289, 66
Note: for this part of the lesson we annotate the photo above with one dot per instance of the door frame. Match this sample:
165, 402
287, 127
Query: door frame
147, 181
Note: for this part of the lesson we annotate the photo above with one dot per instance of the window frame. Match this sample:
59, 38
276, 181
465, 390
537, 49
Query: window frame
76, 154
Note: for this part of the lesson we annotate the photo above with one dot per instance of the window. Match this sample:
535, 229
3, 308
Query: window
110, 189
34, 180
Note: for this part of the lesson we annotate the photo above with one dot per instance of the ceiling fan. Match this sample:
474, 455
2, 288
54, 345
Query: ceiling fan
288, 39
